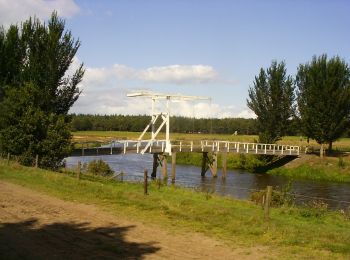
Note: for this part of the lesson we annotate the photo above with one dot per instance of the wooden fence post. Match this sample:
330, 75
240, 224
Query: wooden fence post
36, 161
79, 170
268, 202
145, 186
8, 158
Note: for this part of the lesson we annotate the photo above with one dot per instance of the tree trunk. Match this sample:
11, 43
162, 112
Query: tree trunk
330, 145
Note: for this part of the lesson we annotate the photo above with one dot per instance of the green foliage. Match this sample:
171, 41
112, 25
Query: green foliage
35, 91
324, 98
272, 100
99, 167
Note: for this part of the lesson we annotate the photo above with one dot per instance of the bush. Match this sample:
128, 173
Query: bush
99, 167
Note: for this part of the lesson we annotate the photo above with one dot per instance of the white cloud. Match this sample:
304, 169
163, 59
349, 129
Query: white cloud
105, 89
179, 74
15, 11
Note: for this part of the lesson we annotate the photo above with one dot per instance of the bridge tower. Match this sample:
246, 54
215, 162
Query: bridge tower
164, 116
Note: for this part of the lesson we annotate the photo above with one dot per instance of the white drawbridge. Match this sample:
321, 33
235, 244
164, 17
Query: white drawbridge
164, 116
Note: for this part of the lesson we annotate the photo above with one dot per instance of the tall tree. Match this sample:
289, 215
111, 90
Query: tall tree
36, 91
323, 87
272, 100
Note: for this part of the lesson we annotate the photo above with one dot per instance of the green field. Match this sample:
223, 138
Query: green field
291, 233
343, 144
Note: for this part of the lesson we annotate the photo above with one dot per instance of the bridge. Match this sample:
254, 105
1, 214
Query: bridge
206, 147
162, 149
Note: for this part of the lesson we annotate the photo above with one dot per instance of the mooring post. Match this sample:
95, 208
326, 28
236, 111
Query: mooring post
224, 164
214, 168
204, 163
173, 167
155, 165
268, 202
36, 161
164, 167
79, 170
145, 182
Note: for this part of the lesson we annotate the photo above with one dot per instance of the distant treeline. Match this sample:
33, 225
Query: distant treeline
178, 124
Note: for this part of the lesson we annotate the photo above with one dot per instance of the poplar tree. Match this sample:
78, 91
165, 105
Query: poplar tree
35, 91
272, 100
323, 87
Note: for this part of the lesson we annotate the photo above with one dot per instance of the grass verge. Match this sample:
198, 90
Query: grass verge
292, 232
319, 169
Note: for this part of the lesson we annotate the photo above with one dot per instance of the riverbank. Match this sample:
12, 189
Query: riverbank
312, 167
290, 233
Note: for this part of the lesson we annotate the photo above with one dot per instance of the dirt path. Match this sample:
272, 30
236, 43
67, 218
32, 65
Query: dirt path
37, 226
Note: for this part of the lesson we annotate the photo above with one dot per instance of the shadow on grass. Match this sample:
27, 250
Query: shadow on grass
27, 240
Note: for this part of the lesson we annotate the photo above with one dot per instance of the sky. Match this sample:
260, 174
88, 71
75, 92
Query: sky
193, 47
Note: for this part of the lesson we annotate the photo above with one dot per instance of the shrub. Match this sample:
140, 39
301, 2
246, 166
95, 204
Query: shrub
99, 167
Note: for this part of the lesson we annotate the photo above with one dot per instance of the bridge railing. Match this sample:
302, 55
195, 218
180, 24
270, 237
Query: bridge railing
239, 147
140, 146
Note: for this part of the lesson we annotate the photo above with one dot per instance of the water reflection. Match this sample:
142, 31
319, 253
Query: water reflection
238, 184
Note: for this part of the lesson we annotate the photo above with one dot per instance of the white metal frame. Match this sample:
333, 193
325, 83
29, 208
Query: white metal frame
165, 116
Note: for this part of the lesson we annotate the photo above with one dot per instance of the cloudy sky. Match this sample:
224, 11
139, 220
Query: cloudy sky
208, 48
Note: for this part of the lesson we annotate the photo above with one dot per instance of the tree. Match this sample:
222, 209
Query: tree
272, 100
323, 87
36, 92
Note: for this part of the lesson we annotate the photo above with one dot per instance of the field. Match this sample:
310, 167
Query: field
291, 232
343, 144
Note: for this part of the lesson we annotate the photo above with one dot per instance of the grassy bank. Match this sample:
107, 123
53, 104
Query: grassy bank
291, 233
335, 169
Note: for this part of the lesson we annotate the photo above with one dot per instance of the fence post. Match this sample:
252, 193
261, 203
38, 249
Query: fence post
79, 170
267, 202
145, 186
36, 161
8, 158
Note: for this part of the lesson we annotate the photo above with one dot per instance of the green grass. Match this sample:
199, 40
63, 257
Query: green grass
314, 172
291, 232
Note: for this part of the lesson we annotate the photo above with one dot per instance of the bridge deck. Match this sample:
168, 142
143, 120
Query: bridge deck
158, 146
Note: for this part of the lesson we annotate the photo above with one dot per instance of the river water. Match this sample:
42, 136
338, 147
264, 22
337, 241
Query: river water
238, 184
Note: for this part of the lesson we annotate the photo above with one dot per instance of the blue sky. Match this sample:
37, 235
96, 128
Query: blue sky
208, 48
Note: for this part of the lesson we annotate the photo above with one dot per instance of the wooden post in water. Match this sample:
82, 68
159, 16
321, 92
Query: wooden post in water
145, 182
79, 170
164, 167
267, 202
214, 168
204, 163
173, 167
224, 164
8, 158
36, 161
155, 165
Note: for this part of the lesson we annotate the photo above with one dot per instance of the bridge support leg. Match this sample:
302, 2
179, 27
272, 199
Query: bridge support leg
173, 167
164, 167
224, 164
214, 166
204, 164
155, 166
